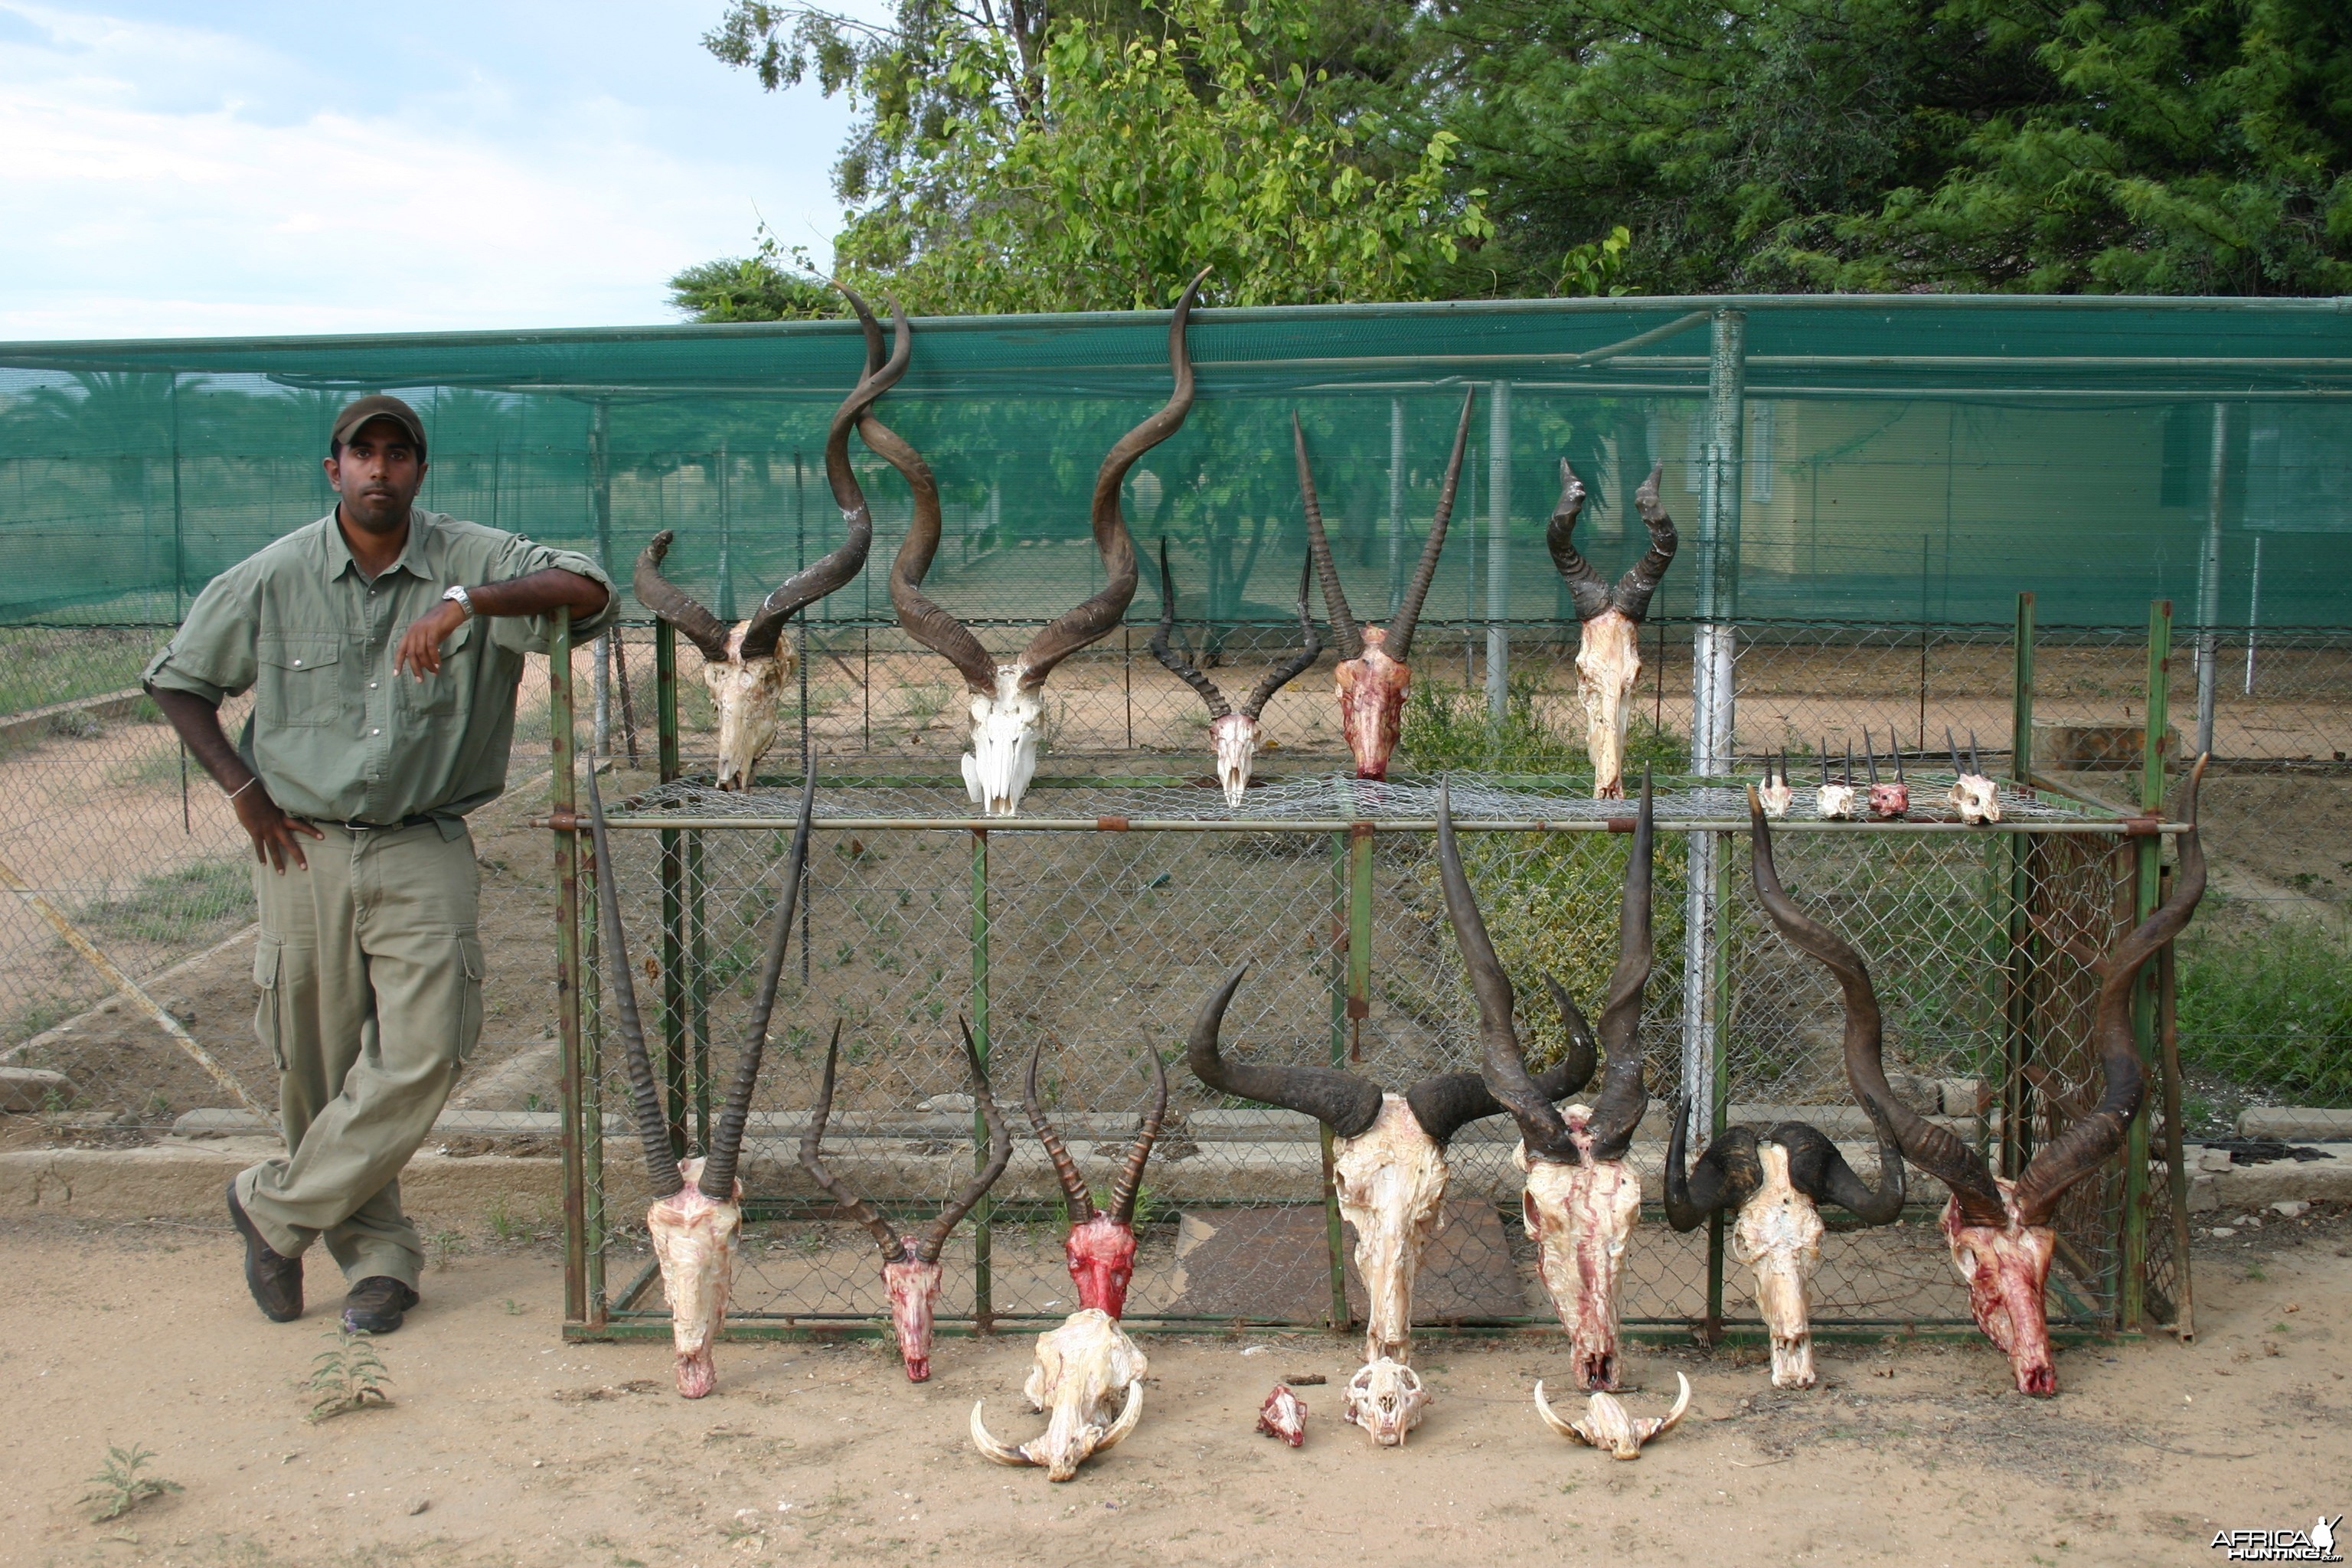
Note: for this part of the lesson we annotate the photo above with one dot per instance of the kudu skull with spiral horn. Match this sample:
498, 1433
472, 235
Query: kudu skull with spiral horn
2000, 1232
1582, 1196
1609, 617
1005, 701
1388, 1164
697, 1218
746, 669
1233, 732
911, 1271
1373, 675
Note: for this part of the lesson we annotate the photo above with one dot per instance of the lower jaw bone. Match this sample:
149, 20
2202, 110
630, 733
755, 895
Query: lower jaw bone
1579, 1218
1608, 663
913, 1290
2005, 1269
695, 1240
1089, 1376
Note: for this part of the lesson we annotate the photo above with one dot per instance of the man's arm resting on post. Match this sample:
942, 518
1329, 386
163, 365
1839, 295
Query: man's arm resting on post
272, 831
537, 594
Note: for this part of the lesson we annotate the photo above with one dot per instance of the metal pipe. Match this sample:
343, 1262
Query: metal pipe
567, 968
983, 1296
651, 822
1335, 1254
2132, 1261
1499, 548
1396, 504
2253, 611
2209, 577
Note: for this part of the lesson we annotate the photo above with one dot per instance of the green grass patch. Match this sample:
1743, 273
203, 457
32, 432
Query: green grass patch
1447, 728
175, 907
42, 664
2271, 1006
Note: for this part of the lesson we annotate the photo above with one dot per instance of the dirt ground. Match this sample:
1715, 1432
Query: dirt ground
503, 1446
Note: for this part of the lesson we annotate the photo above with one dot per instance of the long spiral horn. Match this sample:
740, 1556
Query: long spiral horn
1618, 1112
661, 1160
1443, 1103
1587, 591
673, 604
1163, 644
1310, 649
895, 1247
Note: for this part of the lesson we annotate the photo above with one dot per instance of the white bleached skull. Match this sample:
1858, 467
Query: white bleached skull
1779, 1234
1235, 739
1580, 1216
1608, 663
1088, 1377
1834, 802
1283, 1416
747, 693
1391, 1180
1387, 1400
1608, 1425
695, 1240
1976, 798
1004, 755
1777, 795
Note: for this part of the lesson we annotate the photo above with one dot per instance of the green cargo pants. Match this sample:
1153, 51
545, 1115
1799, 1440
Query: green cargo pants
370, 970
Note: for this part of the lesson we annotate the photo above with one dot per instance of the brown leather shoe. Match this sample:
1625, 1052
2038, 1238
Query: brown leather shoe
275, 1282
377, 1305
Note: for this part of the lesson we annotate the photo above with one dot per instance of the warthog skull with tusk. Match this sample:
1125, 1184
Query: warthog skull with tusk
1607, 1424
1372, 676
911, 1270
1999, 1231
1089, 1377
1974, 794
697, 1208
1100, 1248
1232, 733
746, 669
1609, 652
1581, 1196
1006, 704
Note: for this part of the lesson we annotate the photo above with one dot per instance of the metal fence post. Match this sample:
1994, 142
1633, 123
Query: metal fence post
567, 969
2209, 578
1396, 503
984, 1294
1498, 550
2131, 1288
1343, 956
2017, 1046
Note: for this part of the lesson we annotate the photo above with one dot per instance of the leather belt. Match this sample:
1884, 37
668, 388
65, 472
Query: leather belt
416, 821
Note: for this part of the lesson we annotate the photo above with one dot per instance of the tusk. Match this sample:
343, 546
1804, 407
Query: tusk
1543, 1408
1681, 1402
1128, 1418
1003, 1454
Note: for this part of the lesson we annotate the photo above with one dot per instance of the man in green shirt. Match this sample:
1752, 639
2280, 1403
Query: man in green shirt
382, 714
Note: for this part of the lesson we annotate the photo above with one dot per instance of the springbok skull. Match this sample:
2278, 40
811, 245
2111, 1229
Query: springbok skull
1974, 794
911, 1271
1582, 1198
1089, 1375
1999, 1231
1887, 801
1100, 1248
1834, 801
1371, 677
1388, 1151
1005, 705
698, 1209
1609, 652
746, 669
1774, 1181
1232, 733
1777, 795
1283, 1416
1608, 1425
1387, 1399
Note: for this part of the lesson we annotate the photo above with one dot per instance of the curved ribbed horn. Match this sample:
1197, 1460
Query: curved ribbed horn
919, 616
1000, 1155
2084, 1146
1092, 620
661, 1160
1073, 1185
1345, 1103
1632, 592
718, 1181
1542, 1126
1443, 1103
674, 603
894, 1246
1587, 591
1130, 1175
1416, 592
1163, 644
1931, 1148
1817, 1170
1725, 1177
1622, 1100
1289, 669
1318, 553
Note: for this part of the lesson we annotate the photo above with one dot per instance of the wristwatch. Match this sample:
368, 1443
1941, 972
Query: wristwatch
455, 593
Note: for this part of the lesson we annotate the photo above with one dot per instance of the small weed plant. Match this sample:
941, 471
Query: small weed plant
348, 1376
119, 1487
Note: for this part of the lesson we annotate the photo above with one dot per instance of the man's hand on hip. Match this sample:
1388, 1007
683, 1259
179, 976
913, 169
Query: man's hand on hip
272, 830
420, 645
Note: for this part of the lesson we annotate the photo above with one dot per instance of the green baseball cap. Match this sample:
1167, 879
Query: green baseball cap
379, 406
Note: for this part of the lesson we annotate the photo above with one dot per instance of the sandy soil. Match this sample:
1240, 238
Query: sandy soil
504, 1446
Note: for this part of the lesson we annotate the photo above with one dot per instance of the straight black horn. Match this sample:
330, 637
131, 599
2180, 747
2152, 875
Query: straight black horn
1408, 616
1130, 1175
661, 1159
1618, 1112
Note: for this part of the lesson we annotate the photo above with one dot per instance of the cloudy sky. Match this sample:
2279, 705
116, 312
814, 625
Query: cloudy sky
169, 168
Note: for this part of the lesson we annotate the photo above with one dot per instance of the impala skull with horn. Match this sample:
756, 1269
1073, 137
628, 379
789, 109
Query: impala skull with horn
1233, 734
1609, 617
1974, 794
1582, 1196
1100, 1248
696, 1215
911, 1271
1005, 701
1372, 676
746, 669
2000, 1232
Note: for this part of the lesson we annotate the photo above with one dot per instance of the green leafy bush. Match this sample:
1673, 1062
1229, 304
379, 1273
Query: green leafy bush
2271, 1006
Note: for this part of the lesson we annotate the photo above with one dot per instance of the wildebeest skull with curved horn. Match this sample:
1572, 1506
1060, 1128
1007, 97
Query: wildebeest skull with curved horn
2000, 1232
746, 669
1609, 650
696, 1215
911, 1271
1006, 707
1232, 733
1372, 676
1581, 1196
1388, 1164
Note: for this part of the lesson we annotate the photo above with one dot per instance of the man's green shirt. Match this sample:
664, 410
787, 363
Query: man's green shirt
334, 734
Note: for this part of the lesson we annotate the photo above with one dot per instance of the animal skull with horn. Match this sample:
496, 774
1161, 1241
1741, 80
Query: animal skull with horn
1609, 653
1887, 801
1005, 706
911, 1271
1388, 1165
1607, 1424
1999, 1231
1583, 1197
1089, 1363
1777, 795
1834, 800
696, 1215
1372, 676
1974, 794
746, 669
1233, 734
